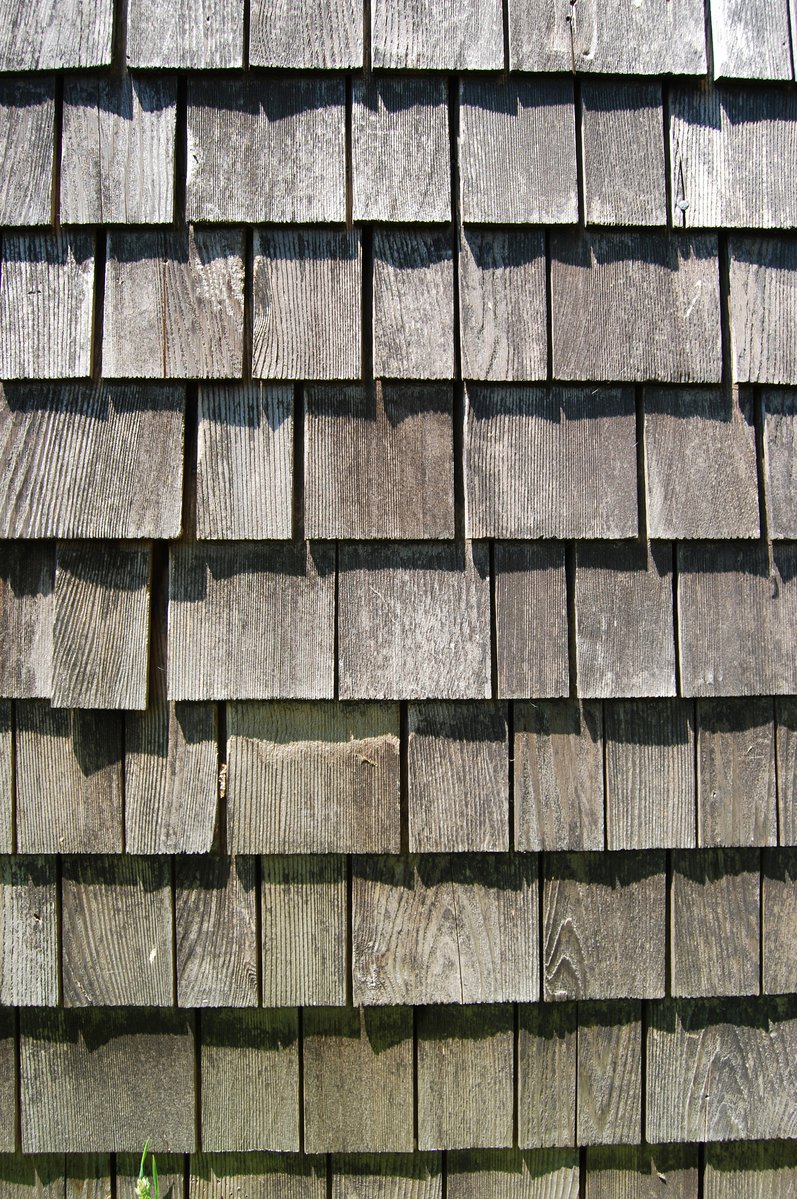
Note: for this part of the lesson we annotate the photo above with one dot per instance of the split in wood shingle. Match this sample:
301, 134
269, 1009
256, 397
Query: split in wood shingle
49, 34
413, 313
310, 34
778, 916
28, 933
216, 932
27, 574
455, 35
186, 34
609, 1086
27, 122
736, 772
546, 1074
779, 421
304, 923
622, 138
750, 40
531, 620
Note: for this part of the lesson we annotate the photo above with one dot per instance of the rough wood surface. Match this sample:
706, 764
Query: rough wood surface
379, 461
250, 1081
641, 1172
26, 620
503, 308
174, 305
497, 1174
518, 152
609, 1082
413, 305
786, 769
387, 1176
591, 903
779, 420
736, 773
251, 621
621, 136
266, 150
27, 124
546, 1075
307, 286
304, 922
28, 1177
758, 1170
650, 774
778, 915
750, 40
50, 34
28, 933
117, 156
116, 937
216, 934
400, 150
171, 1175
358, 1088
87, 1176
308, 34
465, 1077
531, 621
7, 758
442, 594
457, 778
427, 34
9, 1113
763, 300
454, 929
257, 1175
188, 34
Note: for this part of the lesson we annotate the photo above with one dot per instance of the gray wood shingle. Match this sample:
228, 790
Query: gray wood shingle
763, 283
609, 1084
778, 914
384, 1176
614, 1172
413, 313
259, 1175
215, 916
535, 1174
50, 34
750, 40
29, 937
310, 34
187, 34
531, 621
7, 752
622, 138
27, 141
736, 773
786, 769
546, 1074
779, 420
503, 306
27, 574
434, 35
304, 923
763, 1170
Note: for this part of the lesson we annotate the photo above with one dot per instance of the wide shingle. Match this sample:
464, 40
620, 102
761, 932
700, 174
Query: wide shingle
424, 34
50, 34
622, 140
187, 34
750, 39
27, 138
310, 34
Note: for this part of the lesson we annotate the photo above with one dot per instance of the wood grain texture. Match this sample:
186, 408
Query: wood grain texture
387, 1176
46, 301
603, 926
358, 1080
100, 460
501, 1174
8, 1101
216, 933
26, 620
750, 40
700, 464
27, 126
424, 34
257, 1175
531, 621
609, 1084
721, 1070
174, 305
266, 150
171, 1175
559, 780
188, 34
641, 1172
27, 1177
778, 914
28, 933
650, 774
546, 1075
465, 1077
117, 155
454, 929
736, 802
101, 625
786, 769
87, 1175
762, 1170
503, 307
413, 305
779, 421
457, 778
69, 780
310, 34
251, 622
400, 150
50, 34
622, 139
250, 1081
313, 778
379, 461
307, 299
634, 307
763, 297
104, 1062
7, 782
624, 620
442, 595
518, 152
752, 653
245, 463
304, 922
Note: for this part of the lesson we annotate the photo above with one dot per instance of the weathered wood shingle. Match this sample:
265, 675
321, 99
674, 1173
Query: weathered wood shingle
760, 1169
622, 138
188, 34
609, 1084
258, 1175
778, 914
779, 420
536, 1174
736, 772
29, 937
50, 34
546, 1074
27, 574
422, 34
216, 932
750, 40
304, 922
413, 312
309, 34
502, 305
642, 1172
27, 143
763, 299
532, 655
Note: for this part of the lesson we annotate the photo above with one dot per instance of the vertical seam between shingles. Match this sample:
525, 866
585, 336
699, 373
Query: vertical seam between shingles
641, 465
581, 179
58, 145
349, 154
298, 499
300, 1070
173, 905
510, 736
676, 618
669, 195
98, 306
13, 726
349, 955
515, 1058
221, 838
757, 405
776, 765
404, 797
415, 1085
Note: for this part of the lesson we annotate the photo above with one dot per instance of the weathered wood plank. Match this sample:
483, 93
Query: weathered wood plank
251, 621
400, 150
424, 34
313, 778
736, 773
26, 620
635, 307
174, 305
752, 652
310, 34
250, 1081
715, 905
590, 904
69, 780
87, 1176
758, 1170
257, 1175
457, 929
117, 157
171, 1175
779, 420
266, 150
307, 299
622, 139
700, 464
379, 461
27, 126
778, 915
639, 1172
187, 34
116, 937
304, 922
46, 303
531, 621
104, 1063
358, 1080
28, 933
465, 1077
388, 1176
442, 593
458, 778
501, 1174
546, 1075
786, 769
50, 34
28, 1177
624, 620
650, 775
609, 1086
503, 308
7, 781
413, 316
763, 284
518, 152
216, 934
750, 40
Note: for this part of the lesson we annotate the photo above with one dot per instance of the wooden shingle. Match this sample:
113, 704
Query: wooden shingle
307, 302
609, 1083
28, 933
50, 34
778, 915
27, 127
546, 1075
428, 34
7, 755
750, 40
400, 150
26, 620
550, 462
518, 152
622, 137
510, 1174
503, 306
266, 150
751, 1170
736, 773
215, 914
257, 1175
387, 1176
304, 922
311, 34
779, 420
188, 34
171, 1174
87, 1175
641, 1172
786, 769
28, 1177
763, 283
379, 461
413, 315
531, 620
